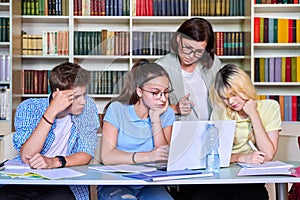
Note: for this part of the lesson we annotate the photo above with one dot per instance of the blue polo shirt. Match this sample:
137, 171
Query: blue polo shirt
134, 134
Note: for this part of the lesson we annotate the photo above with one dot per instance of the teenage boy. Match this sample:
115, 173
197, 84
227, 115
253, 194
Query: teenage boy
54, 132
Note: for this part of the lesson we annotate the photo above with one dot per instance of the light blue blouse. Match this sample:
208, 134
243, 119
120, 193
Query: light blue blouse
134, 134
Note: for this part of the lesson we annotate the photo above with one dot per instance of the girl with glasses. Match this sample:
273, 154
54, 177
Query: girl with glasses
137, 129
192, 66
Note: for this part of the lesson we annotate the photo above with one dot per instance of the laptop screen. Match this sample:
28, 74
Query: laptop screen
187, 148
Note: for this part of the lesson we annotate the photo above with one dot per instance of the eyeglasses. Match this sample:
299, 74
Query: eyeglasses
157, 95
187, 50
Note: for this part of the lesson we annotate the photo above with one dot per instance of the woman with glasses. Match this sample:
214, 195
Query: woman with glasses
137, 129
192, 66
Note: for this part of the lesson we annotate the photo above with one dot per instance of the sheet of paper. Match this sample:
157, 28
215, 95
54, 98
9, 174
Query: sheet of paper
122, 168
271, 164
42, 173
15, 164
57, 173
264, 171
269, 168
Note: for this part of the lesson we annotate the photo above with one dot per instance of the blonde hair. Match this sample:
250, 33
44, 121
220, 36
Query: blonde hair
230, 79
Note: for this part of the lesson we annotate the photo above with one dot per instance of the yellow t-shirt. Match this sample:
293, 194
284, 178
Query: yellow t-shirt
269, 112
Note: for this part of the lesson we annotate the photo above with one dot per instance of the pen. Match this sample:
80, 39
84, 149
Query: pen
194, 110
252, 145
2, 164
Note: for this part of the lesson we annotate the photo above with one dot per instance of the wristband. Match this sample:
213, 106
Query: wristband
132, 158
47, 120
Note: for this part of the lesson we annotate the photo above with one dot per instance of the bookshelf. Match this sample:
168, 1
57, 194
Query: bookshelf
275, 58
7, 22
133, 21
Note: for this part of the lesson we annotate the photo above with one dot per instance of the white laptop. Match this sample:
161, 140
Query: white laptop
187, 148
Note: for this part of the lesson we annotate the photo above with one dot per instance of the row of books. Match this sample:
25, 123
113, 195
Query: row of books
106, 42
4, 102
4, 29
48, 43
45, 7
218, 7
102, 42
276, 30
102, 82
140, 7
122, 7
4, 68
117, 43
151, 43
276, 1
277, 69
160, 8
106, 82
4, 1
230, 43
35, 82
158, 43
289, 106
101, 7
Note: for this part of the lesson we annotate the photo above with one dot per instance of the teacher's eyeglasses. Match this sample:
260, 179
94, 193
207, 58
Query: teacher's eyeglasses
157, 94
188, 50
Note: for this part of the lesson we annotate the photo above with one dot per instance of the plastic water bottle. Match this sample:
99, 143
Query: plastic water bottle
212, 142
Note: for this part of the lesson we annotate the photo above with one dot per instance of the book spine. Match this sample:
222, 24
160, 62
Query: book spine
294, 69
297, 30
271, 30
288, 69
275, 30
294, 108
261, 69
272, 69
290, 30
278, 69
256, 29
298, 68
266, 30
266, 65
298, 108
256, 69
282, 31
283, 69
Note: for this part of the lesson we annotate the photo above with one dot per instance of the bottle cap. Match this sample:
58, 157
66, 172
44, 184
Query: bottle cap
211, 123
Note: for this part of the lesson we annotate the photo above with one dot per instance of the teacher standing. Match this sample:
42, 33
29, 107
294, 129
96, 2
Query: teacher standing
192, 66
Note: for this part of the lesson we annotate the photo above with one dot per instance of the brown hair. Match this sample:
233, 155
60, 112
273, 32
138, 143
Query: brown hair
141, 73
67, 75
197, 29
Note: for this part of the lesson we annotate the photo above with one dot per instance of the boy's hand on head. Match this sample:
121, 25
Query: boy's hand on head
61, 99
